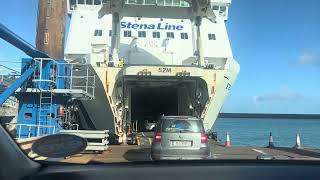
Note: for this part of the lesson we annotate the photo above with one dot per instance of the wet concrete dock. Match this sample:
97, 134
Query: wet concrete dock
131, 153
141, 152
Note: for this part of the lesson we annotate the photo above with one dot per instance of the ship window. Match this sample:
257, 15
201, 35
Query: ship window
110, 32
27, 115
89, 2
184, 4
98, 32
215, 7
223, 10
97, 2
170, 35
73, 3
151, 2
168, 2
176, 2
141, 34
80, 1
139, 2
160, 2
131, 1
184, 35
156, 34
127, 33
51, 115
212, 36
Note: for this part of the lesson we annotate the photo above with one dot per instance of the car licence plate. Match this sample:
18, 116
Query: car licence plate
180, 143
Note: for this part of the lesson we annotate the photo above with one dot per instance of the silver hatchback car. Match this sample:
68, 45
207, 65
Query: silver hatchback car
180, 137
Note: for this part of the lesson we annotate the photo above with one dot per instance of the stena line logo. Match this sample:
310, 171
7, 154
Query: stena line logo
159, 26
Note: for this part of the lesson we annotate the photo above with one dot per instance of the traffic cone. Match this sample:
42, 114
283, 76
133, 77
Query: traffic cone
271, 145
227, 144
298, 142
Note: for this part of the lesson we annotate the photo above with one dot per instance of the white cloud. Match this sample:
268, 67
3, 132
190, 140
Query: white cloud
283, 94
309, 58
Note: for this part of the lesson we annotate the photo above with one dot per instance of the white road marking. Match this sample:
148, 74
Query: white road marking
259, 151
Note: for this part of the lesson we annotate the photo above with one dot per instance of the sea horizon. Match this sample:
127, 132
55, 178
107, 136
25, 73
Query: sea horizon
255, 131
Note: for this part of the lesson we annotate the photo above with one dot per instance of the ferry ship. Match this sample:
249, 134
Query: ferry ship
152, 58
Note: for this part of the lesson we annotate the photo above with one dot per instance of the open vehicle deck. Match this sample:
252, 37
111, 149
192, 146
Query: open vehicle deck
141, 152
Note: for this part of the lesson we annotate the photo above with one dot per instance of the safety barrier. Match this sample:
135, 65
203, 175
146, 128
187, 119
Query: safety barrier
97, 140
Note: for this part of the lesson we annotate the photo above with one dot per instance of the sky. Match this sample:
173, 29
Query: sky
276, 42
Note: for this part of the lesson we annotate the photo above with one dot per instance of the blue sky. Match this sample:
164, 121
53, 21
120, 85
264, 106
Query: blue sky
277, 44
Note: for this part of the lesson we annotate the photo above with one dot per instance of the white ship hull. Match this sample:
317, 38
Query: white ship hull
159, 75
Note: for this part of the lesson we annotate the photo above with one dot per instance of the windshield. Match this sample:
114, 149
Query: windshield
165, 79
181, 126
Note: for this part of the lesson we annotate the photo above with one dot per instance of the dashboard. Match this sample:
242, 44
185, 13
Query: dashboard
224, 170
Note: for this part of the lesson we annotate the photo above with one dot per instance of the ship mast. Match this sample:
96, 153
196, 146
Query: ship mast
51, 27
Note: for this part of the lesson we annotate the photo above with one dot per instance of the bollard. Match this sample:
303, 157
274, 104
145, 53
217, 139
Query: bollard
298, 142
271, 145
129, 129
227, 144
124, 139
120, 140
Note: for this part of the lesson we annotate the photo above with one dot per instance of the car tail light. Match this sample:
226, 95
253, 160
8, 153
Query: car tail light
157, 137
204, 138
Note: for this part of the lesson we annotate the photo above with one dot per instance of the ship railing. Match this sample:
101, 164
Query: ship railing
81, 77
31, 128
65, 77
180, 3
74, 125
45, 73
71, 4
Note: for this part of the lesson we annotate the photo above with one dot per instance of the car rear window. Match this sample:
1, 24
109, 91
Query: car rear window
181, 126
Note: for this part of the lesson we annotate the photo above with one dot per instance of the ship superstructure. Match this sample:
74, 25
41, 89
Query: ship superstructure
152, 57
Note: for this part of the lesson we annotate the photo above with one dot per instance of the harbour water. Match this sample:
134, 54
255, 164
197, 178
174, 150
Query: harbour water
255, 132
